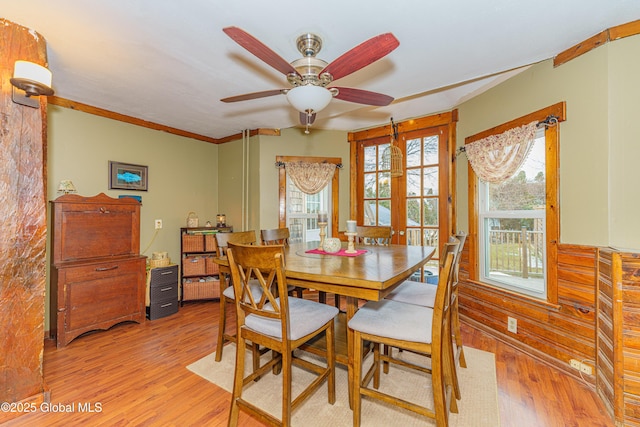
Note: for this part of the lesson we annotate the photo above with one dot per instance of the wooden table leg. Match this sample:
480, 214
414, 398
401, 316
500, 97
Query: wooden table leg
352, 307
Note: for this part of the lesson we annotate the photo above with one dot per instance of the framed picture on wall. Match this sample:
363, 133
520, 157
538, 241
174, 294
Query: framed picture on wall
125, 176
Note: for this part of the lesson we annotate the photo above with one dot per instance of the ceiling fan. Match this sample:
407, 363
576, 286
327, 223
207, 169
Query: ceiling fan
309, 76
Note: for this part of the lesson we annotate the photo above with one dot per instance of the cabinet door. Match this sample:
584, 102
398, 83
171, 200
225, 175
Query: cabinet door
100, 295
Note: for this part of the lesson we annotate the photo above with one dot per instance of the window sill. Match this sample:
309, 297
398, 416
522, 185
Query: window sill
516, 296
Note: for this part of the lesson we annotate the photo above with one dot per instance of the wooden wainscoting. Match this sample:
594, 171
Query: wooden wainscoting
554, 334
618, 333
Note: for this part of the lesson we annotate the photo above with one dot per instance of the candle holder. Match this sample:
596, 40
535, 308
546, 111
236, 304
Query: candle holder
350, 245
323, 233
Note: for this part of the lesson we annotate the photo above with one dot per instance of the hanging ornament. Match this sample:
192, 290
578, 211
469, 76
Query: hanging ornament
392, 155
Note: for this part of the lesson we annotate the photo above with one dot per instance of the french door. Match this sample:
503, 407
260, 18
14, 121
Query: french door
415, 204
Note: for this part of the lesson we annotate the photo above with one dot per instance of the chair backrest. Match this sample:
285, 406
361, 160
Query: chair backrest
241, 237
441, 324
373, 235
263, 264
275, 236
461, 237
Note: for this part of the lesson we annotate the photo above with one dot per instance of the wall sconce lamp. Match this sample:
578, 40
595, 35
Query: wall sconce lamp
66, 187
33, 80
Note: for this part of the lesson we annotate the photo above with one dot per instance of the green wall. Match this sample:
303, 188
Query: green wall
624, 150
183, 172
598, 141
260, 154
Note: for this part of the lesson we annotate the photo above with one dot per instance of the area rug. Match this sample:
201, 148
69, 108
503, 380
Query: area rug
477, 408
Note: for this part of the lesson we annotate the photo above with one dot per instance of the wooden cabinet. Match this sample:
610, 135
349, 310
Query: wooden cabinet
162, 292
97, 273
199, 276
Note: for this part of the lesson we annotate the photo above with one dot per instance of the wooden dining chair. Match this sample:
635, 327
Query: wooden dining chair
420, 293
414, 328
373, 235
280, 323
279, 236
226, 290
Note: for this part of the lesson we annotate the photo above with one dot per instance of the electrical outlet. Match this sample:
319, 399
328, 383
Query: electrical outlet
158, 224
512, 325
575, 364
586, 369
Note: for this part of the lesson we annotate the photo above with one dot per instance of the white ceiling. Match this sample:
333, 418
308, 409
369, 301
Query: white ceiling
169, 62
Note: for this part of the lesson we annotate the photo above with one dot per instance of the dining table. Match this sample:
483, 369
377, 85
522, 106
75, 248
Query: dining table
370, 274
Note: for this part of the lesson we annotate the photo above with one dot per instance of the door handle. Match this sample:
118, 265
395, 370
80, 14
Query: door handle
402, 233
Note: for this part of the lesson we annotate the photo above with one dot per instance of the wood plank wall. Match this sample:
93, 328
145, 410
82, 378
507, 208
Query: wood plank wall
551, 333
618, 335
24, 228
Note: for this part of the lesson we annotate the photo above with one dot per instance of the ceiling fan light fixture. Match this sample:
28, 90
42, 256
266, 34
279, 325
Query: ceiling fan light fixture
309, 98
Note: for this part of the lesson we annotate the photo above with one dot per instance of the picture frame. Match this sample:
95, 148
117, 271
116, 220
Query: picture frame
127, 176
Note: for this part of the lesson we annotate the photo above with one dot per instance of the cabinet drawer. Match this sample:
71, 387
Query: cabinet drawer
101, 270
164, 293
162, 309
164, 275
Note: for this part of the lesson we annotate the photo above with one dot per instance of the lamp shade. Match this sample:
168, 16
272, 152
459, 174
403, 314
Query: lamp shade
34, 79
309, 98
66, 186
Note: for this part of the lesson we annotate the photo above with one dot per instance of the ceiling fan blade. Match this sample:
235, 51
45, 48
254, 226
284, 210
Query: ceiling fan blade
362, 96
304, 121
259, 49
254, 95
362, 55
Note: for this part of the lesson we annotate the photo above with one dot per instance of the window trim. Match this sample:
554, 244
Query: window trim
552, 224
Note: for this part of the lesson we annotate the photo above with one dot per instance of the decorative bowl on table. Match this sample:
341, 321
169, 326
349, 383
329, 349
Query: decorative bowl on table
331, 245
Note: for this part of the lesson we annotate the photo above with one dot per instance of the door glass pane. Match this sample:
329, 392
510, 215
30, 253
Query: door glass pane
430, 150
430, 181
370, 216
413, 153
384, 212
370, 187
370, 158
381, 149
430, 212
413, 212
384, 184
413, 182
430, 238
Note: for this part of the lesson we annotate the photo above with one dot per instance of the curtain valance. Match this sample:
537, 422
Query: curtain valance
496, 158
311, 178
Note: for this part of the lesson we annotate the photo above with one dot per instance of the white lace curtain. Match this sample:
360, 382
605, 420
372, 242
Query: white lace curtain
311, 178
496, 158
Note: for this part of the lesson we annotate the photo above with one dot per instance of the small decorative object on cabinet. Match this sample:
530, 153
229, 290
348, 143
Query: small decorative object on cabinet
97, 272
162, 291
199, 276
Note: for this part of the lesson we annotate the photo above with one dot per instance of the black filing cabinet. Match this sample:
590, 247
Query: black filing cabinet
163, 292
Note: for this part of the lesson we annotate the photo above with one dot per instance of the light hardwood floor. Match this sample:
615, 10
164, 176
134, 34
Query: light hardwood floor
136, 375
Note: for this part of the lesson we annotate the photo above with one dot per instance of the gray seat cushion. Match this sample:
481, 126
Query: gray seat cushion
392, 319
412, 292
304, 317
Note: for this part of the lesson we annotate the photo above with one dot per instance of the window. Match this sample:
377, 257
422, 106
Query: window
299, 211
517, 222
302, 212
512, 227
